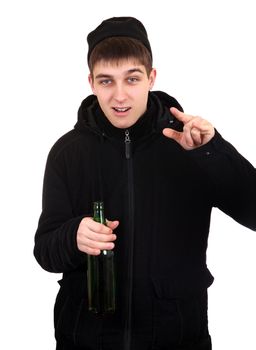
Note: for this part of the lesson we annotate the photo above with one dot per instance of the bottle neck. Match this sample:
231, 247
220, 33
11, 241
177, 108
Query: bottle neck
98, 212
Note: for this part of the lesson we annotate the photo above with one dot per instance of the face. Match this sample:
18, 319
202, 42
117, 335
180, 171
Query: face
122, 90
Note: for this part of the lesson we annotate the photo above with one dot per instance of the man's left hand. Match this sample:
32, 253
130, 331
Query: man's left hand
196, 131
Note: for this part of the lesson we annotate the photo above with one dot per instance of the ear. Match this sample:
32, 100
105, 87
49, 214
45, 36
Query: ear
152, 78
90, 79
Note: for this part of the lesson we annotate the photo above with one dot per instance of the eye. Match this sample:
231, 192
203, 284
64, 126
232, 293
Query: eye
132, 80
105, 82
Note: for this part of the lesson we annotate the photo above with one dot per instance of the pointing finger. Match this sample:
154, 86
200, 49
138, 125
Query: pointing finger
184, 118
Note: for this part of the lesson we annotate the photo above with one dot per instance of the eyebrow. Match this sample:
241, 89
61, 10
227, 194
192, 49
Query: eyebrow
129, 71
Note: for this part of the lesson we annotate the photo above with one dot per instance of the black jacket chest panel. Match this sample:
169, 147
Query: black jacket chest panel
166, 184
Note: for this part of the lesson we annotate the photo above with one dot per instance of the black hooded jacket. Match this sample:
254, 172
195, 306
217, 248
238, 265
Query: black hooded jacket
163, 196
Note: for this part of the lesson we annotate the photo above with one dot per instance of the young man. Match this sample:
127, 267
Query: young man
159, 172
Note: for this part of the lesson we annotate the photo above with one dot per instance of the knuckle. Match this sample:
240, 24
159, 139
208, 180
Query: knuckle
86, 220
101, 228
91, 251
92, 244
195, 131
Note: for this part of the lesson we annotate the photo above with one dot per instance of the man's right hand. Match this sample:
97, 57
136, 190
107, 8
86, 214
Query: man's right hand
92, 237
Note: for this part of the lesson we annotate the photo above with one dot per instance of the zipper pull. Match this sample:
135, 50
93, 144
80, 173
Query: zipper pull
127, 142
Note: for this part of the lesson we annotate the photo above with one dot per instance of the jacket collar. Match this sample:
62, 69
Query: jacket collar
157, 116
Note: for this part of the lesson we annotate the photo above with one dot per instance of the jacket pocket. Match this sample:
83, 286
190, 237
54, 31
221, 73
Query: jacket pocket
73, 320
167, 323
180, 311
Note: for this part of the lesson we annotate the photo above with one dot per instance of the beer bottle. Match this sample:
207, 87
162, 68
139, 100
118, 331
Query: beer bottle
101, 274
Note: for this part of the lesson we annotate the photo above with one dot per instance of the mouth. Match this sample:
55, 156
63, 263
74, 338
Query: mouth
121, 109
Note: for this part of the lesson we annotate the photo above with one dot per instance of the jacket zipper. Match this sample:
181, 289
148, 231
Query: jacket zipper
127, 142
128, 156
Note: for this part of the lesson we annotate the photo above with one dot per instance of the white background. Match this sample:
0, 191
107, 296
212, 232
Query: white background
205, 55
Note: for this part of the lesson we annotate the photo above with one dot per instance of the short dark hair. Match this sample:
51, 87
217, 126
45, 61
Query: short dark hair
115, 49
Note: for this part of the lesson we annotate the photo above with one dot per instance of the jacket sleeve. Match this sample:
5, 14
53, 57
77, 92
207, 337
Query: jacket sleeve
55, 239
233, 180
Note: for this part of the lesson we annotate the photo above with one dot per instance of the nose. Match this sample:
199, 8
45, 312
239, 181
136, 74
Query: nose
120, 93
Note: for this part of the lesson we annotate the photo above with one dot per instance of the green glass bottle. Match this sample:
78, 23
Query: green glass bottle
101, 274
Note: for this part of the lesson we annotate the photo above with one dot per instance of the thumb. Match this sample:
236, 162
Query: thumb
112, 224
172, 134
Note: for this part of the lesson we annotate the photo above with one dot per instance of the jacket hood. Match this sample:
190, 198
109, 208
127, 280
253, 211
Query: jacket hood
162, 101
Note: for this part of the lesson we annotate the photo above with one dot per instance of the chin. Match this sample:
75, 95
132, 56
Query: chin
121, 125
